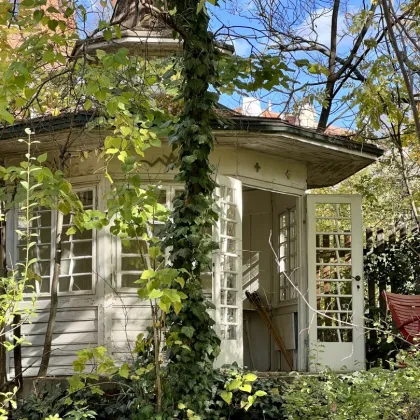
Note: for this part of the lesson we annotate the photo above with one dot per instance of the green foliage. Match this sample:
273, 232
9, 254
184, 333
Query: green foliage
132, 398
7, 398
25, 188
375, 394
188, 233
49, 402
238, 74
396, 268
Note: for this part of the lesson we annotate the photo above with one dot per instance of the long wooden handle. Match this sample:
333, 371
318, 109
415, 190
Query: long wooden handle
256, 302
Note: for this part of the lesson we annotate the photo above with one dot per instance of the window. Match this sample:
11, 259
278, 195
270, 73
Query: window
230, 264
132, 252
77, 259
287, 255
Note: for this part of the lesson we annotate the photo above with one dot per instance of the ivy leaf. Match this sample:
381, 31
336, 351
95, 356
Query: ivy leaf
232, 385
302, 62
226, 396
87, 105
107, 34
250, 377
188, 331
260, 393
125, 131
246, 388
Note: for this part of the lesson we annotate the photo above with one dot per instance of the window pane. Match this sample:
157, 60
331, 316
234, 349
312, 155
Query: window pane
228, 228
41, 252
42, 268
82, 266
333, 241
335, 335
228, 297
332, 210
162, 197
86, 197
45, 285
76, 249
229, 280
133, 264
334, 287
86, 234
127, 280
334, 303
64, 284
228, 263
133, 246
82, 282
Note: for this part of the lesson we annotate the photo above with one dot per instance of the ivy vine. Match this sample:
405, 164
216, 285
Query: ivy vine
193, 212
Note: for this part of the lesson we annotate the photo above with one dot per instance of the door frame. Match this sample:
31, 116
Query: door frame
302, 317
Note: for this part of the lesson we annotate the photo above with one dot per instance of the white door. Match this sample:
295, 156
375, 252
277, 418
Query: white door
335, 282
227, 270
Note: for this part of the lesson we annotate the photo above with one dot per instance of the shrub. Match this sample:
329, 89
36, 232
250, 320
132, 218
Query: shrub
129, 403
374, 394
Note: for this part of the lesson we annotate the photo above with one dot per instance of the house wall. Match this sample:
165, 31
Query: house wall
114, 319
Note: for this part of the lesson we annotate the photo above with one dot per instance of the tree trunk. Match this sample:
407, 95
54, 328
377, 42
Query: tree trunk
3, 273
156, 346
17, 353
54, 298
329, 89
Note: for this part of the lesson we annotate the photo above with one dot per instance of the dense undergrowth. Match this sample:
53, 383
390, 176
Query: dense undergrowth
372, 395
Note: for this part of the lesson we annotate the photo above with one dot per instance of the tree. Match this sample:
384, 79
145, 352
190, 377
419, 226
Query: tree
127, 95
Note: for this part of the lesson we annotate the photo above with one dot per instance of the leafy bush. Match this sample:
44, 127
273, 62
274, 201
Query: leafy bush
130, 403
374, 394
52, 400
242, 385
367, 395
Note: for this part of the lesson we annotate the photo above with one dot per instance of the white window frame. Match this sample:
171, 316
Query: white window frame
15, 253
291, 271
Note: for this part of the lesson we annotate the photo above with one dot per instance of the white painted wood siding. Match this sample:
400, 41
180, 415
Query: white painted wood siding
76, 328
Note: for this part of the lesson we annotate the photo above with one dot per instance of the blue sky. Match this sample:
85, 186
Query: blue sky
241, 15
234, 18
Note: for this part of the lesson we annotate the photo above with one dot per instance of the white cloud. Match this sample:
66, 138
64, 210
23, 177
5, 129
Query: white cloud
317, 27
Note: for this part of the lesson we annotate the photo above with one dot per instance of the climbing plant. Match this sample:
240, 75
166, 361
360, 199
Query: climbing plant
193, 215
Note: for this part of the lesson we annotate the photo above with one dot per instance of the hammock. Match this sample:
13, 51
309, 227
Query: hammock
405, 312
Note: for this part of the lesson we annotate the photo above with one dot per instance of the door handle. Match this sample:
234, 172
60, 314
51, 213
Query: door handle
357, 278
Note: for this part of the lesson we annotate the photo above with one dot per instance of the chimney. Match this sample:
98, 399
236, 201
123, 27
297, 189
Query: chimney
251, 107
306, 116
270, 105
